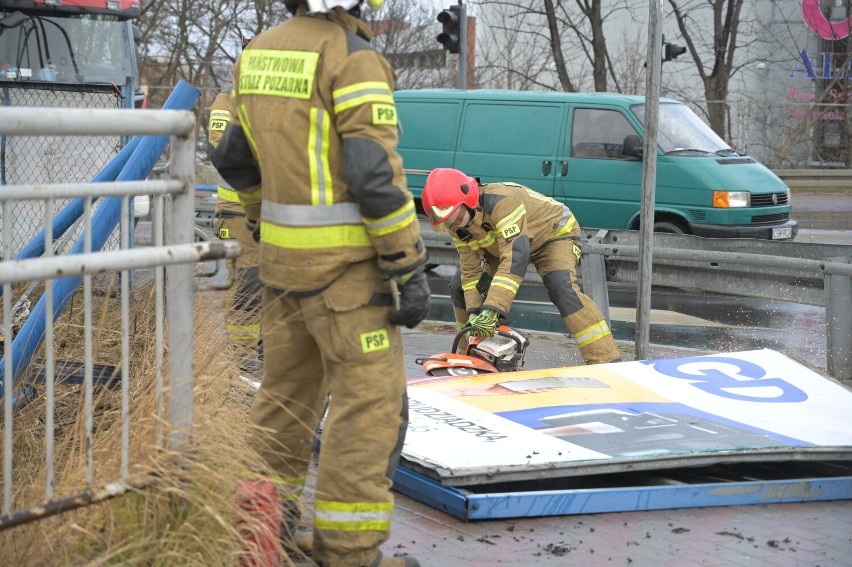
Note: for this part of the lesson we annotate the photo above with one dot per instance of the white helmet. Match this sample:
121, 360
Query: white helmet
316, 6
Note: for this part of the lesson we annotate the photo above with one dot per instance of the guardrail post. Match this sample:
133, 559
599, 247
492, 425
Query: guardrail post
593, 274
838, 320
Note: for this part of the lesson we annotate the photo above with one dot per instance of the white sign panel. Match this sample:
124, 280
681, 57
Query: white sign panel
694, 410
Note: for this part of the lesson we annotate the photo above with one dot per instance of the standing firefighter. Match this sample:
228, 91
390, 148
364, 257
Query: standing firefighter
242, 304
503, 227
314, 117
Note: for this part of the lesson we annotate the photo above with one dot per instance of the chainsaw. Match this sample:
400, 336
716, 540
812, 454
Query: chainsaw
502, 352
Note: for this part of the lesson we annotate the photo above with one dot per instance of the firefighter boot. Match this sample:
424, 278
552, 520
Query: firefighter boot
298, 542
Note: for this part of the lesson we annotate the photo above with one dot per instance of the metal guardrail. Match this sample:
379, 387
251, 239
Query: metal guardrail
812, 274
172, 256
828, 180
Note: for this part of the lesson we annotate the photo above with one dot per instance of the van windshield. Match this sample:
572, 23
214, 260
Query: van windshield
91, 48
681, 131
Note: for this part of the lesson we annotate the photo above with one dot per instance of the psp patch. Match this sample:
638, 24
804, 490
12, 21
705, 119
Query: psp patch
511, 231
384, 115
218, 125
373, 341
224, 234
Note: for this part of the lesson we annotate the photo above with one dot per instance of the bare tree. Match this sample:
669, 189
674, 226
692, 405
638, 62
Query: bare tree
515, 49
404, 32
569, 37
712, 49
198, 40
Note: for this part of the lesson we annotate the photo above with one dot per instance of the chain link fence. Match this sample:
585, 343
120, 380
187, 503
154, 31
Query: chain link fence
53, 159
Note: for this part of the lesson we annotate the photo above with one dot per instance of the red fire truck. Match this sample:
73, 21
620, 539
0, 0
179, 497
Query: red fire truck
66, 54
69, 42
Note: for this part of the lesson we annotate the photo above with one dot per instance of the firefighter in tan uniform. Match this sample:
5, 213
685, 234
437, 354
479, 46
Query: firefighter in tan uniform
313, 115
503, 227
242, 303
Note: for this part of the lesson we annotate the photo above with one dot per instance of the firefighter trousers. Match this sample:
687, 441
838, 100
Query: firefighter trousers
556, 263
242, 301
336, 345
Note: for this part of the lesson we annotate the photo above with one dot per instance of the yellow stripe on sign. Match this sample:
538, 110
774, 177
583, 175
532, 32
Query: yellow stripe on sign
273, 72
373, 341
315, 237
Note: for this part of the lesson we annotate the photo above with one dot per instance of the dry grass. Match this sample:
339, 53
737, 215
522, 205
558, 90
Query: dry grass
188, 516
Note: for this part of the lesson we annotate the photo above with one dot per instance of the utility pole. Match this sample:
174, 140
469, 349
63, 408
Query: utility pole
649, 182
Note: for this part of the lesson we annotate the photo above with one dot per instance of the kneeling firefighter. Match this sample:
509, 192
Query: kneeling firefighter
498, 229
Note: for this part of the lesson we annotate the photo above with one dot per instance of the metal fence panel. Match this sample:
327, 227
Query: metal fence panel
172, 257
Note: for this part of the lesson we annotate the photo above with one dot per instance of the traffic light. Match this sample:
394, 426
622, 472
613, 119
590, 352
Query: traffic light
450, 38
671, 51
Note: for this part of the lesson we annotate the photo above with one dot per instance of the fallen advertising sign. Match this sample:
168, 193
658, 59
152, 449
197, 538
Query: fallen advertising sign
727, 429
754, 406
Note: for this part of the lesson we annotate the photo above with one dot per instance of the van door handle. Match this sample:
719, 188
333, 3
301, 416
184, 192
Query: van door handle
545, 167
564, 167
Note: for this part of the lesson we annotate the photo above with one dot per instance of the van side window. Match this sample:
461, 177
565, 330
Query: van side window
598, 133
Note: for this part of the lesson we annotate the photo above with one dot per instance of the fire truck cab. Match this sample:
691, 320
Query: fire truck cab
69, 42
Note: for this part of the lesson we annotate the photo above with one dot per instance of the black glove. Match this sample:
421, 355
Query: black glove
414, 301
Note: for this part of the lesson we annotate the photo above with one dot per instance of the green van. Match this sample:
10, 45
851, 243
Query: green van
586, 150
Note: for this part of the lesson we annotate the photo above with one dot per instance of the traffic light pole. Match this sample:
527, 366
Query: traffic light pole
454, 38
462, 67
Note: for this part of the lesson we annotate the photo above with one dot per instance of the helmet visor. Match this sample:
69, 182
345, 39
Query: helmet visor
444, 218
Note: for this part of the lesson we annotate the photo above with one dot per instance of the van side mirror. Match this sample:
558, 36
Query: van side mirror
632, 146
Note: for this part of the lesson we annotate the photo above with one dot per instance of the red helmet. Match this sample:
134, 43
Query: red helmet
445, 191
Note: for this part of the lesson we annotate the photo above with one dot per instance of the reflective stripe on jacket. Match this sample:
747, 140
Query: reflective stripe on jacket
220, 116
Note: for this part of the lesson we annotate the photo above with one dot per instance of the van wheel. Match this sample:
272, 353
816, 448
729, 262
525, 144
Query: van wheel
669, 227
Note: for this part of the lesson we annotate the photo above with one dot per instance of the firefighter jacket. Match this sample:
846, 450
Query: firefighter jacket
227, 200
509, 225
313, 101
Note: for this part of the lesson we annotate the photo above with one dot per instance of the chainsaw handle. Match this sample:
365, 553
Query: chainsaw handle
467, 328
459, 336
